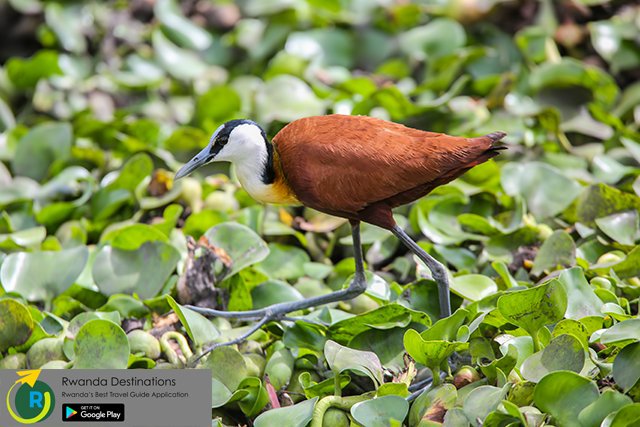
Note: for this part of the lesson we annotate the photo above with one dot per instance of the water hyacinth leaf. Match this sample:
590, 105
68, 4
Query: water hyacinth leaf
23, 238
286, 98
273, 292
297, 415
42, 275
426, 41
242, 244
143, 271
17, 324
133, 236
40, 148
623, 227
381, 411
341, 358
473, 287
25, 73
228, 370
284, 262
199, 328
563, 353
66, 23
482, 400
581, 298
385, 343
134, 171
323, 388
185, 32
608, 402
625, 417
538, 184
255, 396
180, 63
558, 249
622, 333
563, 394
626, 366
601, 200
386, 317
431, 402
101, 344
532, 309
428, 352
279, 367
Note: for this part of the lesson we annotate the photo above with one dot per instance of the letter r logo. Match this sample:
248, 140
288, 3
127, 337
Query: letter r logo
35, 399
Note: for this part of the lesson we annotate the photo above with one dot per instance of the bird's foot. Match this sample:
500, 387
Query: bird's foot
278, 311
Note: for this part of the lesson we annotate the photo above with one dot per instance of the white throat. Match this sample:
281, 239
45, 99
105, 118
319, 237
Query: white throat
247, 151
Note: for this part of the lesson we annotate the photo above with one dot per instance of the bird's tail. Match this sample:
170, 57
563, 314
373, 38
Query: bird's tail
491, 141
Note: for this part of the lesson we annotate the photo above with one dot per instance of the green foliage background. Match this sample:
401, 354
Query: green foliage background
101, 101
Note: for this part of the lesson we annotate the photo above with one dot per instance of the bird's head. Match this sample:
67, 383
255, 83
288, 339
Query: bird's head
231, 142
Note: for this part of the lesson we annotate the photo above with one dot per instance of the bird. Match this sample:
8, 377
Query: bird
355, 167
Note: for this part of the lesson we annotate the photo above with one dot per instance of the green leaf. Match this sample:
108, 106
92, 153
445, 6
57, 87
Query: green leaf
297, 415
286, 98
101, 344
626, 417
430, 353
284, 262
564, 394
538, 184
431, 401
199, 328
623, 227
273, 292
180, 63
426, 42
608, 402
482, 400
380, 412
564, 353
581, 298
242, 244
131, 237
25, 73
600, 200
626, 367
143, 271
532, 309
622, 333
383, 318
41, 147
341, 358
17, 324
184, 31
42, 275
473, 287
279, 367
558, 249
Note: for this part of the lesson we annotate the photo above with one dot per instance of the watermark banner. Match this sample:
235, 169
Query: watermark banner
93, 397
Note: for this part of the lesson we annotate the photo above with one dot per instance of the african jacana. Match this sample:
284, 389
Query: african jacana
354, 167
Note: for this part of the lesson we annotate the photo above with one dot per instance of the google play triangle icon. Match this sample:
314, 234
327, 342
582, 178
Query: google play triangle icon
69, 412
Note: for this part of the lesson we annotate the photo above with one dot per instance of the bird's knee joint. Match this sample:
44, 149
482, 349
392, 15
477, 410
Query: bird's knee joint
438, 272
357, 286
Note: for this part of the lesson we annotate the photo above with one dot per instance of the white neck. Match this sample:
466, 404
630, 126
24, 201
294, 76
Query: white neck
247, 151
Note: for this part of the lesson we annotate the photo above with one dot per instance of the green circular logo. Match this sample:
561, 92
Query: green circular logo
30, 402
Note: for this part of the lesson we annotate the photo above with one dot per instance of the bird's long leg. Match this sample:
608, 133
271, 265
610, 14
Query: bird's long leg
278, 311
438, 270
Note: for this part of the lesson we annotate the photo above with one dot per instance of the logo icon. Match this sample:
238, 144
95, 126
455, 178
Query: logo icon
33, 400
69, 412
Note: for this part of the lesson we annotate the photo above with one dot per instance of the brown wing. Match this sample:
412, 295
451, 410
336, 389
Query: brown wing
343, 164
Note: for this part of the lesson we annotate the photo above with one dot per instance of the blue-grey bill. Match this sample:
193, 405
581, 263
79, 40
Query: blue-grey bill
199, 160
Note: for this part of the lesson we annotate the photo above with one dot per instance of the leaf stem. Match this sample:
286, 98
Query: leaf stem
344, 403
